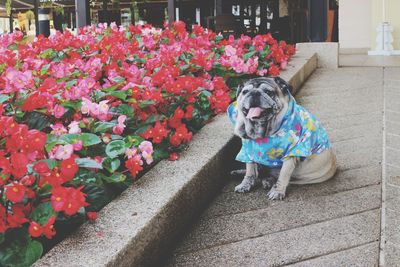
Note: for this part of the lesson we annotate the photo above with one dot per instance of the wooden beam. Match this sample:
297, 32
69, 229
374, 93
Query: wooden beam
171, 11
82, 13
36, 12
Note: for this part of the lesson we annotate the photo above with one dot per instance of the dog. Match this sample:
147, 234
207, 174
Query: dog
282, 142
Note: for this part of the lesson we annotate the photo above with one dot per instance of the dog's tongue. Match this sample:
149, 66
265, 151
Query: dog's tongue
254, 113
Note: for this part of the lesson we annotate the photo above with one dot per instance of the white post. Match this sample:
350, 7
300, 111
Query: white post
384, 38
383, 10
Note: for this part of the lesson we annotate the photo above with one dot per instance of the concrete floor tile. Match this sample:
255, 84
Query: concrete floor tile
392, 255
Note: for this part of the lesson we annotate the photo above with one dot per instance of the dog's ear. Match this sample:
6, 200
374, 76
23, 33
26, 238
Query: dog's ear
238, 90
286, 87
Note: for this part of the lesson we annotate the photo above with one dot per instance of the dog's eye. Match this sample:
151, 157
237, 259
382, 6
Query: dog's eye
245, 92
270, 93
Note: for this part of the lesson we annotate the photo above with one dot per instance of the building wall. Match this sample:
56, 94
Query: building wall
392, 16
355, 23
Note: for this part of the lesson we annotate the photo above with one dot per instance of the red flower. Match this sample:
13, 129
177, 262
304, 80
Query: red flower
15, 192
33, 102
182, 135
3, 219
173, 156
157, 133
68, 199
35, 229
69, 168
273, 70
19, 161
189, 112
134, 166
48, 228
28, 180
35, 140
18, 217
176, 119
41, 167
220, 101
91, 215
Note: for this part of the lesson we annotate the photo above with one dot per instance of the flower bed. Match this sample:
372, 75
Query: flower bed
83, 116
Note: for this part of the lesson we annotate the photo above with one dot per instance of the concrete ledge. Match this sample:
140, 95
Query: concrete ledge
328, 53
137, 227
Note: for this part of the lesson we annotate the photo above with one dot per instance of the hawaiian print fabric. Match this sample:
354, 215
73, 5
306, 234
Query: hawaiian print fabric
300, 135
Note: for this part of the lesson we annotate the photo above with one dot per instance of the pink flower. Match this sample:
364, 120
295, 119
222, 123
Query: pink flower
147, 151
230, 51
58, 129
119, 129
58, 111
148, 157
78, 145
17, 80
64, 152
131, 152
146, 146
86, 105
74, 128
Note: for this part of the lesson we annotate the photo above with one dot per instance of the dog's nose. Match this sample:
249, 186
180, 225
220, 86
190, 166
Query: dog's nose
256, 93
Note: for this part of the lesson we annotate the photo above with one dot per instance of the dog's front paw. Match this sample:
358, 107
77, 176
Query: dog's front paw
243, 188
276, 193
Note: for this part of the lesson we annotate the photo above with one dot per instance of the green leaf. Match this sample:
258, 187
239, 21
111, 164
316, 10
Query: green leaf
119, 94
85, 177
153, 118
71, 83
13, 47
97, 196
115, 178
42, 213
68, 139
124, 109
51, 163
37, 120
206, 93
44, 69
110, 89
115, 148
90, 139
142, 129
103, 126
111, 165
249, 55
146, 103
3, 98
88, 163
118, 79
19, 250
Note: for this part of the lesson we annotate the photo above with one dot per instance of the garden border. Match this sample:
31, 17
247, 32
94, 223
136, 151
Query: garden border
135, 228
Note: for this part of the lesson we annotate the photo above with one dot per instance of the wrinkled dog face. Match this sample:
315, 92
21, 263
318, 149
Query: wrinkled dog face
262, 103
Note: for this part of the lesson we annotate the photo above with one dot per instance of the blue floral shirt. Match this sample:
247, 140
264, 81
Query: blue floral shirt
300, 135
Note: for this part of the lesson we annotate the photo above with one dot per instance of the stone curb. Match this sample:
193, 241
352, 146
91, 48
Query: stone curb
137, 228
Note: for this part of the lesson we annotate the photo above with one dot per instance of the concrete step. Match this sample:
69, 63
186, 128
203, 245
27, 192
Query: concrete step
290, 246
280, 216
362, 256
232, 203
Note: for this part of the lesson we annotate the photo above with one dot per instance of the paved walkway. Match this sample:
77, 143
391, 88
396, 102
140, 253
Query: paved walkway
351, 220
